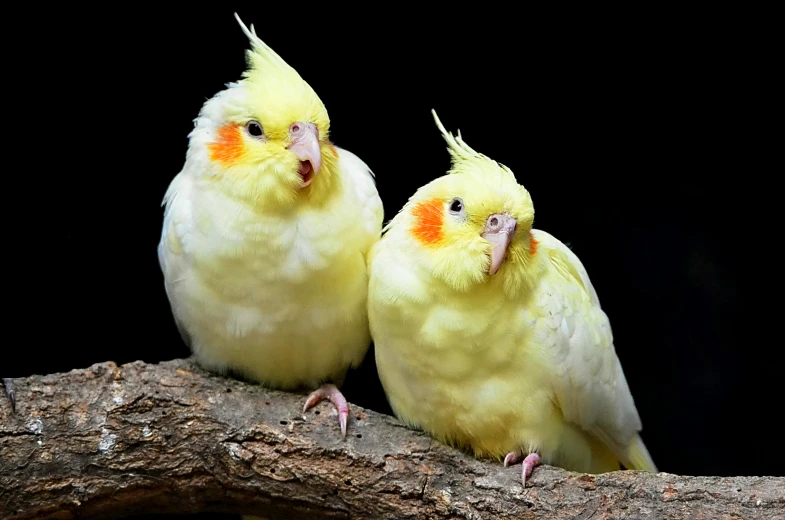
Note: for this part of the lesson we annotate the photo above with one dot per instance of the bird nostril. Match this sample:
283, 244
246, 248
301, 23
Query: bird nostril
494, 221
295, 127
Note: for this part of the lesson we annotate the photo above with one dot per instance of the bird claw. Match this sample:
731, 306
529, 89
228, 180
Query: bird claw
9, 390
332, 394
512, 458
531, 460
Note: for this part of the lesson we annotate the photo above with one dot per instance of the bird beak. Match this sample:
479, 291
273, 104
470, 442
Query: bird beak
304, 143
499, 230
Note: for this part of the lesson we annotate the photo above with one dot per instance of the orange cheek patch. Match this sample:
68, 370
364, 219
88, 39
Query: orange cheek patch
532, 243
228, 146
429, 220
335, 152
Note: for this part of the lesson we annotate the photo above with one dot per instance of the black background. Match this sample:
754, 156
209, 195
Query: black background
644, 145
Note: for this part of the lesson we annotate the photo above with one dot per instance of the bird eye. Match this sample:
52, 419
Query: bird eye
456, 206
254, 129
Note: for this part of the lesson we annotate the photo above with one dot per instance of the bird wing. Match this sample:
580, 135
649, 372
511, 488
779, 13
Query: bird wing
359, 176
170, 249
589, 384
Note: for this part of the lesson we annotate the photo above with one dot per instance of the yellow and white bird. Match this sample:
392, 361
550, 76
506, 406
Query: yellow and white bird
489, 334
265, 236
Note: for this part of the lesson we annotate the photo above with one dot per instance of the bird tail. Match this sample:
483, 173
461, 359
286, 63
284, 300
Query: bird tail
638, 456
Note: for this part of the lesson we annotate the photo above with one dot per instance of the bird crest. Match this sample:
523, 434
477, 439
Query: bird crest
273, 79
465, 158
261, 58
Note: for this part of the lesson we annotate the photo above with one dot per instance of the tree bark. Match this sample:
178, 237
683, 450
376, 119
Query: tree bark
109, 441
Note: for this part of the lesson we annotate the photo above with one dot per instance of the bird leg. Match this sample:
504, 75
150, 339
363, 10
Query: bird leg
531, 460
331, 393
9, 389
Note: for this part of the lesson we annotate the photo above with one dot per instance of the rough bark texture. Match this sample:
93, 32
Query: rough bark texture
112, 441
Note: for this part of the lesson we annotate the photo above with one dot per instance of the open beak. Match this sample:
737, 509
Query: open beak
304, 143
499, 230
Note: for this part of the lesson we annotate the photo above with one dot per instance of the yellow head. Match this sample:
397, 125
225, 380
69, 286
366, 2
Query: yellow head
265, 137
472, 225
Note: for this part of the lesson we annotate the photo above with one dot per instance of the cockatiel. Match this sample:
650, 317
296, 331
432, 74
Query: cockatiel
489, 334
265, 236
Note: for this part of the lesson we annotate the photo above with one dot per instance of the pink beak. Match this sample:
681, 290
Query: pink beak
499, 230
304, 143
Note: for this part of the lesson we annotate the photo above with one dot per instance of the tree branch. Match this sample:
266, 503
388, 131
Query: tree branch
111, 441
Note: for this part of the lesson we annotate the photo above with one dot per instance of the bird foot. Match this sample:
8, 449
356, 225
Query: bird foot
331, 393
9, 389
531, 460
